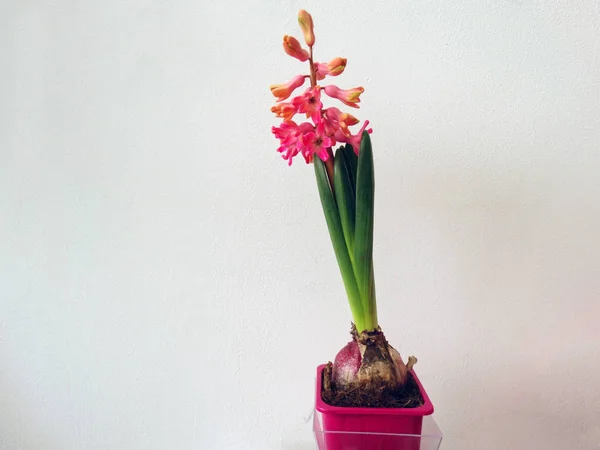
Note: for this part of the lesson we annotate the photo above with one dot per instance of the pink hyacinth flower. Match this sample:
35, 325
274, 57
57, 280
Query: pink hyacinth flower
331, 120
353, 140
316, 143
290, 136
321, 70
283, 91
333, 68
336, 120
309, 103
349, 97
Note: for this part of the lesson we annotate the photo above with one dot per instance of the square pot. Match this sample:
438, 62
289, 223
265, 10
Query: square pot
348, 428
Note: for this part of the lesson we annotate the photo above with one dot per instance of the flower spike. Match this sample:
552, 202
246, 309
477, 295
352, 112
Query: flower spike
326, 127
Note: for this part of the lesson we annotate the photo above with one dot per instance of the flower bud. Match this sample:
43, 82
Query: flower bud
283, 91
336, 66
285, 110
306, 25
293, 48
321, 70
349, 97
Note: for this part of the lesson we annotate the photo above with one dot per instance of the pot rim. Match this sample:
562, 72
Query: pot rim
425, 410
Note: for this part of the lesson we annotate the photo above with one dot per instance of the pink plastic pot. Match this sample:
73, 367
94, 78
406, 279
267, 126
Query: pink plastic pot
344, 428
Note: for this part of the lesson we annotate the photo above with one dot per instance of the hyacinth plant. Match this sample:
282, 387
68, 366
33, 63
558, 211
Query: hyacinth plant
345, 180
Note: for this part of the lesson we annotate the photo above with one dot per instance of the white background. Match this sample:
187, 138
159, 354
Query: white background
167, 282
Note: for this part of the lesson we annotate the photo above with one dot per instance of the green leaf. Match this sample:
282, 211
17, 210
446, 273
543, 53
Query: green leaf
363, 239
352, 161
344, 182
334, 224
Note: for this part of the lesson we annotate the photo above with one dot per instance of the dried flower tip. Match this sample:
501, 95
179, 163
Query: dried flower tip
348, 119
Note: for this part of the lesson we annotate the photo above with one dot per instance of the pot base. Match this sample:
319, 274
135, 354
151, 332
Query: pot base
429, 439
349, 428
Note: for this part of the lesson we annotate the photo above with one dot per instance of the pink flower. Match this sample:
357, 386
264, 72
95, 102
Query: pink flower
283, 91
333, 68
309, 103
331, 120
316, 143
336, 120
353, 140
349, 97
293, 48
326, 127
290, 136
321, 70
285, 110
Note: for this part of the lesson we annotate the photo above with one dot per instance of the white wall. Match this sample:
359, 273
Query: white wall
166, 281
